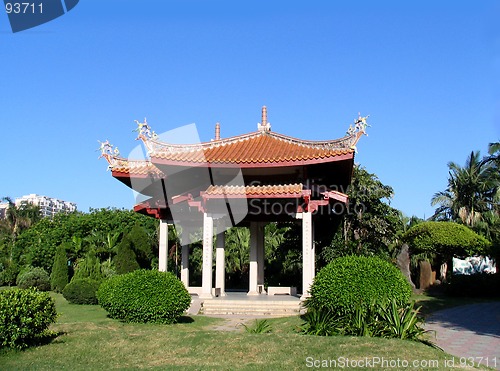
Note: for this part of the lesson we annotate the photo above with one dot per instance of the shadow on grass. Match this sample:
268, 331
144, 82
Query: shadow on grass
45, 338
185, 319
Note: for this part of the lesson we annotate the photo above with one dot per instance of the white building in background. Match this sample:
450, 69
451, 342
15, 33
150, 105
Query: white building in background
3, 209
48, 206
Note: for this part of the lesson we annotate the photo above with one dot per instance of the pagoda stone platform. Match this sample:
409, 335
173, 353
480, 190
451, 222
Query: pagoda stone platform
239, 303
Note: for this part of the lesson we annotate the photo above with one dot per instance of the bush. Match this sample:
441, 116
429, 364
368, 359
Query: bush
25, 316
59, 276
352, 280
81, 291
34, 277
144, 296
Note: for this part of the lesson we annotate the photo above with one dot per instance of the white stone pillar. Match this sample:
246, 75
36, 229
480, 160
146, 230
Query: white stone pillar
252, 289
186, 243
307, 253
313, 252
208, 240
163, 246
260, 254
220, 258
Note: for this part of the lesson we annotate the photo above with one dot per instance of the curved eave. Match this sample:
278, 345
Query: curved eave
260, 164
125, 175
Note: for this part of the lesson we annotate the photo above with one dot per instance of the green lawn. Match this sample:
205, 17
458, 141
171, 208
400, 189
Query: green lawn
89, 340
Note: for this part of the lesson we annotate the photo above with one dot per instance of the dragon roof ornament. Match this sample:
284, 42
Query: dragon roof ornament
145, 134
109, 152
357, 129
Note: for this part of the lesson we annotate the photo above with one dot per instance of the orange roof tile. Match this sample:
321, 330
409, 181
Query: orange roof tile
254, 148
259, 190
135, 167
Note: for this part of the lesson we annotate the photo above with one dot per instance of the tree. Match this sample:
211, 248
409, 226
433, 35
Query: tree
469, 194
237, 250
125, 259
494, 154
88, 267
20, 218
59, 276
17, 220
370, 224
445, 240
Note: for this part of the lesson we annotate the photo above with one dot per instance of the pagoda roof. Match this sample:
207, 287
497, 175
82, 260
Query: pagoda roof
261, 148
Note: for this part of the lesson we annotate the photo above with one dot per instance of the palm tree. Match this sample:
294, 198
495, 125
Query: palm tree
19, 218
274, 237
494, 154
16, 220
238, 249
469, 192
494, 160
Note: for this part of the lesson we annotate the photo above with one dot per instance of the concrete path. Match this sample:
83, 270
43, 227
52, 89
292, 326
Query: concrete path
469, 331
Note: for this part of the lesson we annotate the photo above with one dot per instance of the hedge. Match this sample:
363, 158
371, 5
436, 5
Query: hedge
25, 315
81, 291
144, 296
447, 239
350, 281
34, 277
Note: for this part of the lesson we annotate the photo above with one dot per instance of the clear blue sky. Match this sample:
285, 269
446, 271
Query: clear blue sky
426, 72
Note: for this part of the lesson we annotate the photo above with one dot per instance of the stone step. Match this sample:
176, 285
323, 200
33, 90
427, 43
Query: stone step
248, 307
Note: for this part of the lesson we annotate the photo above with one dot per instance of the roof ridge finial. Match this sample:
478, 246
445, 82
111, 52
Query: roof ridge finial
217, 131
264, 125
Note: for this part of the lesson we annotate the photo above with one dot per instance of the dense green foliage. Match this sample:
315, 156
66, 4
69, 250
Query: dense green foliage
445, 239
25, 316
59, 276
370, 225
34, 277
81, 291
37, 245
17, 220
125, 260
472, 196
88, 267
472, 191
8, 273
144, 296
357, 280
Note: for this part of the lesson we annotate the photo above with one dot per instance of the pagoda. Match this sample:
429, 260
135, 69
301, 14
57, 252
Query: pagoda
246, 180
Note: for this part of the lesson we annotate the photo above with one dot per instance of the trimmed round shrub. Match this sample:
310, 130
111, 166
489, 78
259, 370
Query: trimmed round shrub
446, 239
81, 291
34, 277
352, 281
25, 315
144, 296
